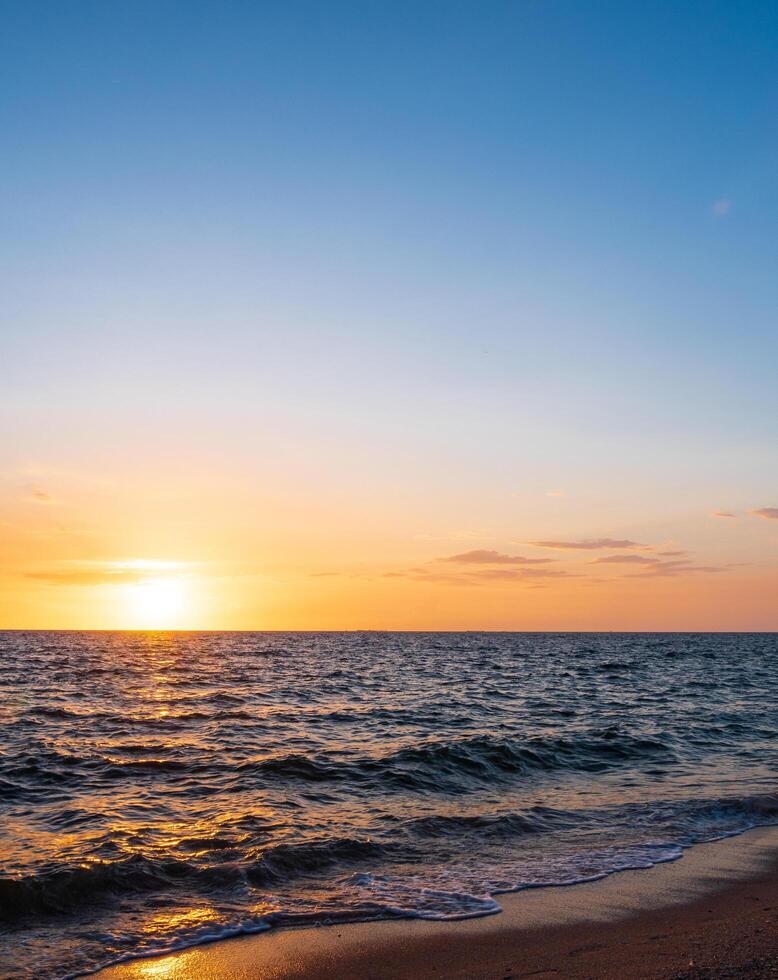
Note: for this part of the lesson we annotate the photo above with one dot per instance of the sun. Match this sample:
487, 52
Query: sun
158, 603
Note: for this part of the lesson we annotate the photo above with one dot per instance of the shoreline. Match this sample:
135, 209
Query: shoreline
713, 913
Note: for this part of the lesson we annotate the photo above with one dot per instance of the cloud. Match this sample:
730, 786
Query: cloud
723, 513
86, 576
480, 576
768, 513
521, 573
481, 556
555, 493
592, 544
425, 575
323, 574
721, 207
107, 572
667, 569
626, 560
671, 554
39, 495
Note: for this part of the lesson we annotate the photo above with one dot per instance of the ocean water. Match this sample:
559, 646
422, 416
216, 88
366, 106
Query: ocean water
159, 790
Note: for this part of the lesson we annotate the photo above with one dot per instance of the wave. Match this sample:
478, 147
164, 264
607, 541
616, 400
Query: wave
46, 765
285, 862
537, 820
200, 845
431, 767
66, 889
441, 765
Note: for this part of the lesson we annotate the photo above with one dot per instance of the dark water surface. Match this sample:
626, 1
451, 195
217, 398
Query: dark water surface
160, 789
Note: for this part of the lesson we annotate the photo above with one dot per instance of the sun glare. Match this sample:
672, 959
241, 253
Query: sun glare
157, 603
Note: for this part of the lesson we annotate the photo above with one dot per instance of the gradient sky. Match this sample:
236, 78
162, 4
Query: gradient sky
300, 300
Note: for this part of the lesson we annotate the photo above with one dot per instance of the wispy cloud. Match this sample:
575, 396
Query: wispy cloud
39, 496
555, 493
480, 576
666, 569
518, 574
592, 544
625, 560
481, 556
723, 513
768, 513
86, 576
721, 207
107, 572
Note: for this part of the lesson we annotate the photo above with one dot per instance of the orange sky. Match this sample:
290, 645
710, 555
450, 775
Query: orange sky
169, 550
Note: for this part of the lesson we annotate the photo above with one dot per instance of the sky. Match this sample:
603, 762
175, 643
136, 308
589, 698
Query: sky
408, 315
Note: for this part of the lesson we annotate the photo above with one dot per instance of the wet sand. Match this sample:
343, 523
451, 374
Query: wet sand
712, 914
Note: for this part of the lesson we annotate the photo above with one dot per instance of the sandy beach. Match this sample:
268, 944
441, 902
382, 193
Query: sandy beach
712, 914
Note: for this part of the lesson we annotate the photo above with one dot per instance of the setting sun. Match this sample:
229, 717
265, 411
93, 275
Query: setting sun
157, 603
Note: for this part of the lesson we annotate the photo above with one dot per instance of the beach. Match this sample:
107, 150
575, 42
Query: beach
712, 914
164, 792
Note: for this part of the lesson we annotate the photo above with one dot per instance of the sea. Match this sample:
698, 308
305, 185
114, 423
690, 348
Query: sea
161, 790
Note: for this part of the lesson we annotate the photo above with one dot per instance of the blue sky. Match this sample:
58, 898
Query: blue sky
500, 245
